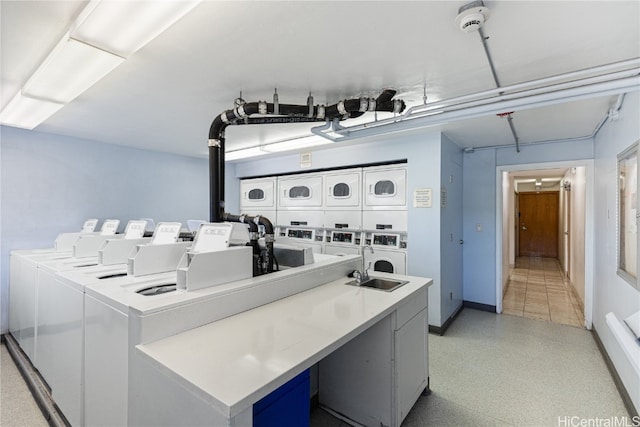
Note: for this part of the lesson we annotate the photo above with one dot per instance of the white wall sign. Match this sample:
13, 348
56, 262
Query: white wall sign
305, 160
422, 198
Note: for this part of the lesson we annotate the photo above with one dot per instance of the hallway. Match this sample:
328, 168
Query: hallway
537, 290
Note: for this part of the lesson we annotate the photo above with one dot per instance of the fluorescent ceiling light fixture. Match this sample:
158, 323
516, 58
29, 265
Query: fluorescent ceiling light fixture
293, 144
27, 113
123, 27
244, 153
551, 179
71, 68
524, 181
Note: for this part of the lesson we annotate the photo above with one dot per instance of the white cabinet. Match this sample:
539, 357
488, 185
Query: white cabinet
385, 187
303, 191
378, 376
411, 365
257, 193
342, 189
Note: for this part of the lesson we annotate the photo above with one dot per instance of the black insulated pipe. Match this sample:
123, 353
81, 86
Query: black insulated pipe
267, 259
280, 113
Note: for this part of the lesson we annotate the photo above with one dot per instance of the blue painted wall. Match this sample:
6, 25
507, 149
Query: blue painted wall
51, 184
611, 292
479, 207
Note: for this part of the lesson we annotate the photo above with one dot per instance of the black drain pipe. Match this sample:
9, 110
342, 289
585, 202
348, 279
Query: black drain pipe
265, 259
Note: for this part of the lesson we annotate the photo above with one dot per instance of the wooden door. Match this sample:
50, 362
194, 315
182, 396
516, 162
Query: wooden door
538, 224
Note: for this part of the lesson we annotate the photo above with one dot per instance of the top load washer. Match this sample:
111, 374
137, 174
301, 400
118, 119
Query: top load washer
257, 194
385, 187
300, 191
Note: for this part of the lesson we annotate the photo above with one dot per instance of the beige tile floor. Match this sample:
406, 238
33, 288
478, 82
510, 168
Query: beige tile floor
537, 289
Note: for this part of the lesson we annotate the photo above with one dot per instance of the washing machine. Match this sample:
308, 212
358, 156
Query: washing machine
102, 398
257, 194
386, 252
343, 242
301, 236
385, 187
300, 191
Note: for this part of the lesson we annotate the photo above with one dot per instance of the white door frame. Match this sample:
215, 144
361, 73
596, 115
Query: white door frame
589, 249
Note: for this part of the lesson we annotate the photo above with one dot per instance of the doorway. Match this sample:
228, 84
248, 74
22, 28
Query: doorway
543, 243
538, 224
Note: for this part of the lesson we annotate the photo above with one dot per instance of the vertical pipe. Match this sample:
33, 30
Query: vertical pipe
214, 187
221, 167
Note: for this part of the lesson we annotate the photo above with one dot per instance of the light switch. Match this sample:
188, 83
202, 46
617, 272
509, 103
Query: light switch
479, 228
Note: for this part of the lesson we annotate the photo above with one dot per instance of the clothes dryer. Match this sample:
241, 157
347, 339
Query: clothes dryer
300, 191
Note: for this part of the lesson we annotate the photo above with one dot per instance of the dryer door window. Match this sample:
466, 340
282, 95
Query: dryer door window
383, 265
300, 192
384, 188
256, 194
341, 190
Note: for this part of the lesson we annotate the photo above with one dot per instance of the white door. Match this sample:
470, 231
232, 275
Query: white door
385, 187
342, 189
257, 193
300, 191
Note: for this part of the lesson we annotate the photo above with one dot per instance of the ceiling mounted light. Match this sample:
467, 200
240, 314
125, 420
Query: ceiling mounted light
123, 27
27, 113
71, 68
472, 16
101, 38
244, 153
293, 144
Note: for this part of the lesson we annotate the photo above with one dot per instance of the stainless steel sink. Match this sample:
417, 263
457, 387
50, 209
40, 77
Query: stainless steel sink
379, 283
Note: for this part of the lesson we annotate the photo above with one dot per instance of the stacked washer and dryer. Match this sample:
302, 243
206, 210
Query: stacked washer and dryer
384, 218
359, 210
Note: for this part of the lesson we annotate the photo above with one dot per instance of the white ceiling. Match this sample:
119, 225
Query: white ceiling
165, 96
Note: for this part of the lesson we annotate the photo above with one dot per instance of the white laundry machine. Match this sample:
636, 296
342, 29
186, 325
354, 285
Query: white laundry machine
300, 191
257, 194
305, 237
343, 189
385, 187
343, 242
386, 252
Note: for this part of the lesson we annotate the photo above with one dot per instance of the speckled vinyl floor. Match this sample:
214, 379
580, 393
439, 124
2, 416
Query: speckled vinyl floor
500, 370
488, 370
17, 407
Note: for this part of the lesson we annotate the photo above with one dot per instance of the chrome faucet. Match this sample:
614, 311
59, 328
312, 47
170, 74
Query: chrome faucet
367, 246
362, 276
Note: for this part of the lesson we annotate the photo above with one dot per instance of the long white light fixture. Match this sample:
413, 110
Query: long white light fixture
243, 153
101, 38
71, 68
27, 113
294, 144
123, 27
277, 147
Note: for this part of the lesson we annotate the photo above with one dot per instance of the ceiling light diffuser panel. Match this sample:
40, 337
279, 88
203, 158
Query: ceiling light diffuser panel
27, 113
71, 68
123, 27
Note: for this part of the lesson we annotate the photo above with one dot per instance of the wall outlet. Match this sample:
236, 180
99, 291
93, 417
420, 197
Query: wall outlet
479, 228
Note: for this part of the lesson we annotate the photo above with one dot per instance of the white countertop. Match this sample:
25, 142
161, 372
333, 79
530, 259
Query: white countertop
236, 361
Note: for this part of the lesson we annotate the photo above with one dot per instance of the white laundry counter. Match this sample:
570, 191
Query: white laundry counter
213, 374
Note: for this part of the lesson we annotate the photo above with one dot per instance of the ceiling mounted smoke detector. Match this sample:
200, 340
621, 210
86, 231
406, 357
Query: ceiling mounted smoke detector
472, 16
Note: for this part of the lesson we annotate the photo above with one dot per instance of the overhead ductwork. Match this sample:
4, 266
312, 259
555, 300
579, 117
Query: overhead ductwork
267, 113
